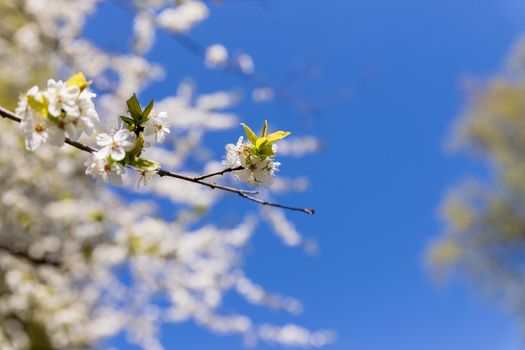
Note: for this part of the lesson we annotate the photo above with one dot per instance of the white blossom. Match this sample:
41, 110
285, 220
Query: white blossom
103, 168
38, 130
157, 127
216, 56
144, 29
263, 94
23, 109
183, 17
115, 146
84, 121
245, 63
61, 97
257, 170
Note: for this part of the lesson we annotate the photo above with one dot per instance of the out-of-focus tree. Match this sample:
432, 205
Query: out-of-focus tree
78, 262
484, 234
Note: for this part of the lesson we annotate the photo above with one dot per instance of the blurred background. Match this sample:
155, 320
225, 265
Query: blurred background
418, 186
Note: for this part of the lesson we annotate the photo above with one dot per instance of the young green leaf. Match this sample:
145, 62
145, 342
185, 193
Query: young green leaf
39, 106
278, 135
265, 129
127, 120
249, 133
146, 164
266, 150
261, 142
139, 145
134, 108
147, 111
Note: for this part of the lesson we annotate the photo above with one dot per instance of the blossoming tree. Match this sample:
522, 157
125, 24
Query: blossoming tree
79, 263
484, 219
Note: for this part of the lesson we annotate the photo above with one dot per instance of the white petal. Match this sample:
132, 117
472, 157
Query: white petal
104, 140
118, 153
54, 108
33, 141
51, 84
103, 153
72, 92
126, 139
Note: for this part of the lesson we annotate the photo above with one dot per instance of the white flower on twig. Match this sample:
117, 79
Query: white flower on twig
157, 127
115, 146
61, 97
104, 169
39, 130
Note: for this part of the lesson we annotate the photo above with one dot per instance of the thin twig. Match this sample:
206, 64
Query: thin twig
161, 172
211, 185
9, 115
222, 172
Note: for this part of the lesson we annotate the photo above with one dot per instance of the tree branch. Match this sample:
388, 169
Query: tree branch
161, 172
25, 256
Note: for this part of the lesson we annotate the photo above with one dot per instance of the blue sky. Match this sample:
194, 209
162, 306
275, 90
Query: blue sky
382, 173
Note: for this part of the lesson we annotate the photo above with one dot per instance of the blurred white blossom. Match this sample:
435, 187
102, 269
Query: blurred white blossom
183, 17
103, 260
216, 56
263, 94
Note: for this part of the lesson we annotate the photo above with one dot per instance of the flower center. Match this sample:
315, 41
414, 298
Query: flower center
39, 128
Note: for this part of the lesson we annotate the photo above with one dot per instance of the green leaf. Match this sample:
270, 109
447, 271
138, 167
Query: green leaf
147, 111
261, 142
40, 107
265, 129
134, 108
278, 135
34, 103
146, 164
266, 150
249, 133
127, 120
139, 145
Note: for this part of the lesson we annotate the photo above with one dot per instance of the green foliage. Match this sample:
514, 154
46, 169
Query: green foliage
40, 106
128, 121
134, 108
145, 164
262, 146
138, 115
135, 124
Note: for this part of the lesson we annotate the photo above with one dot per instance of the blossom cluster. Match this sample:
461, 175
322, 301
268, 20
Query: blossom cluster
256, 160
66, 109
63, 109
121, 148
